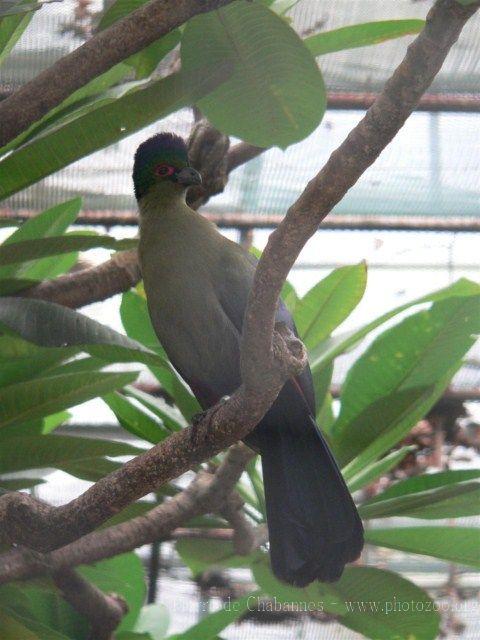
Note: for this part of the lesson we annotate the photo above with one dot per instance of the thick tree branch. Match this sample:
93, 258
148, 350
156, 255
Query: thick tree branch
206, 493
266, 362
112, 45
74, 290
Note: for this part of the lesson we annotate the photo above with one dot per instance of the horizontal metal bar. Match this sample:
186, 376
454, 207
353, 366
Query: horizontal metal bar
240, 220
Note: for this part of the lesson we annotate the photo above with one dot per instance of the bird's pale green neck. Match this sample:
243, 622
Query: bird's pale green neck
162, 197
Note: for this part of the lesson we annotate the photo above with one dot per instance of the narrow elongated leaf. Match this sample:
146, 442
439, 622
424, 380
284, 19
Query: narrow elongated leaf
21, 360
19, 483
460, 500
429, 497
322, 380
38, 452
398, 422
41, 247
329, 349
89, 469
35, 427
169, 416
377, 469
388, 414
413, 353
325, 417
329, 302
52, 222
9, 286
361, 35
105, 123
88, 94
209, 627
425, 482
256, 481
134, 419
455, 544
11, 28
52, 325
416, 353
364, 599
42, 396
276, 94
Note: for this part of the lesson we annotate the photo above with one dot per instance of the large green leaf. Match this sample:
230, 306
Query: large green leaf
38, 248
11, 28
52, 222
209, 627
103, 123
397, 422
21, 360
14, 626
361, 35
446, 494
42, 396
87, 96
365, 599
329, 302
329, 349
52, 325
35, 427
455, 544
375, 470
415, 354
134, 419
39, 452
137, 324
380, 426
276, 95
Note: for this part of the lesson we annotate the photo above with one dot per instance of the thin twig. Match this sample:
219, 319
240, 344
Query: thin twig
104, 612
207, 493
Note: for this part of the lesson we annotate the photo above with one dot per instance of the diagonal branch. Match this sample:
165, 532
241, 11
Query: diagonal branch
268, 357
112, 45
207, 493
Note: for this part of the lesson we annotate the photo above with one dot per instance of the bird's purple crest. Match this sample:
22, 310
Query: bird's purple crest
160, 157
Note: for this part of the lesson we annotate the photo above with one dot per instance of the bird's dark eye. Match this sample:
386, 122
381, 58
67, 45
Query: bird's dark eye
164, 170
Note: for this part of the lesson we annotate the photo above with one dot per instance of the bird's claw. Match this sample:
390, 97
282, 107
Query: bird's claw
199, 417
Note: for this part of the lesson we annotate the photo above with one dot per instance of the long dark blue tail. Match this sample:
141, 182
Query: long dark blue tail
314, 527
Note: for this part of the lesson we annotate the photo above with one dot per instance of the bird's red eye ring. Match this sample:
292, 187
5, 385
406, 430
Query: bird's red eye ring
164, 170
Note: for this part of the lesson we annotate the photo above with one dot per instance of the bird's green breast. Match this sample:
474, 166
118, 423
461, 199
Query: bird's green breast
181, 255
